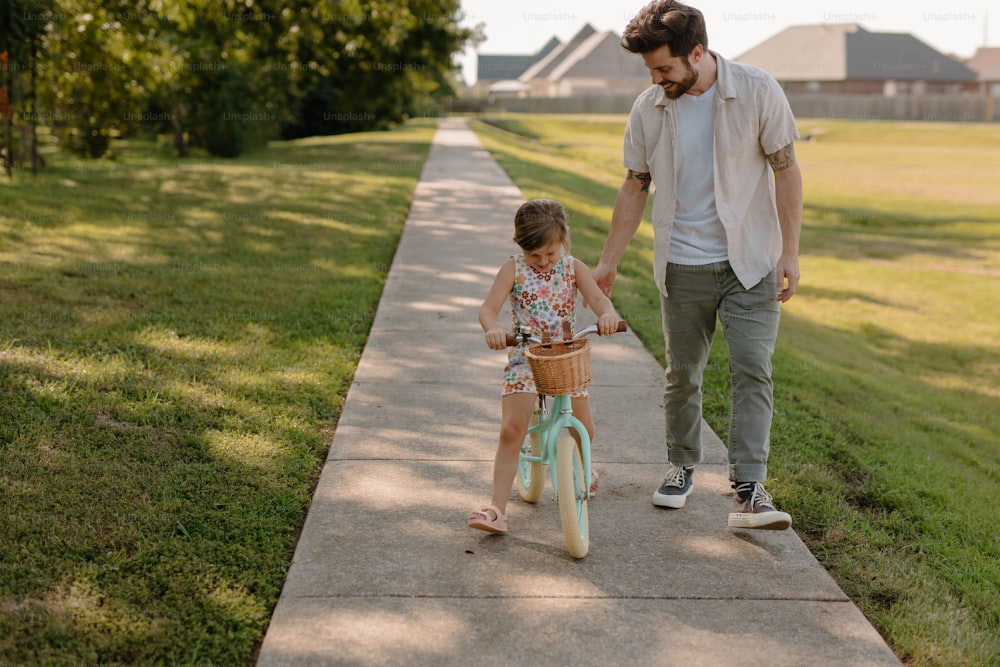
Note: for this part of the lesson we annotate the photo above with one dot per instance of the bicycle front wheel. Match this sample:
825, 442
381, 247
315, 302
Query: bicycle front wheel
572, 496
530, 477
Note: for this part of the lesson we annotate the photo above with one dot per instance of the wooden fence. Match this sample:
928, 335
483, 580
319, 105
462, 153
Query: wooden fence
949, 108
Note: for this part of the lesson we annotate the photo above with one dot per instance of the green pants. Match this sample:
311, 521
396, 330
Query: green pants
696, 297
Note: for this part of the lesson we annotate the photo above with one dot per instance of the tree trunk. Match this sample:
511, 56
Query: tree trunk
176, 117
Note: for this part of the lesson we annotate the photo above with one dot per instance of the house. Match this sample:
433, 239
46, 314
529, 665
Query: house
986, 64
847, 59
591, 63
502, 71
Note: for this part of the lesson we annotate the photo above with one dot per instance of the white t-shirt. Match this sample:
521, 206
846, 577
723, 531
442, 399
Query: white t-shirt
698, 236
752, 120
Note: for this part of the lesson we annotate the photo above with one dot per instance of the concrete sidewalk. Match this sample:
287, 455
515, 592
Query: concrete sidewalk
386, 571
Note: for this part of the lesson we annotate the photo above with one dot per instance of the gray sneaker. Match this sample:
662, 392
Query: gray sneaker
675, 488
753, 508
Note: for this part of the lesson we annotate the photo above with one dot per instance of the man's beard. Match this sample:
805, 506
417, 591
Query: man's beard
673, 90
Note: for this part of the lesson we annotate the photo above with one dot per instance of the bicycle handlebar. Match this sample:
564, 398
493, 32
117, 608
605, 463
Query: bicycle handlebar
512, 339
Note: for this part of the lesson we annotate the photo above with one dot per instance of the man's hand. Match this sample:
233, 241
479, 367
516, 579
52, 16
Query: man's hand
788, 277
604, 276
788, 193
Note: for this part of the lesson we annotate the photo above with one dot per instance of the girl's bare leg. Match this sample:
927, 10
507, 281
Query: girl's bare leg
581, 410
515, 414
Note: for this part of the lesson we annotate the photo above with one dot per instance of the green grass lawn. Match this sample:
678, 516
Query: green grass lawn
886, 439
176, 340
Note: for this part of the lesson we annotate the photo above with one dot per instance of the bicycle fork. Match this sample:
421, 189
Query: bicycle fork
562, 417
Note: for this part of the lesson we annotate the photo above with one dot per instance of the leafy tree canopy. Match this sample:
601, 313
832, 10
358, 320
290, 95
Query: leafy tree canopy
223, 74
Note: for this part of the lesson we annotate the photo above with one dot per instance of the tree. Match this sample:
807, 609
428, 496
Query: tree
22, 22
367, 65
217, 93
94, 79
229, 74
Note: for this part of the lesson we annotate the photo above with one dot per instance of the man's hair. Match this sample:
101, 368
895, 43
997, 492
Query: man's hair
666, 22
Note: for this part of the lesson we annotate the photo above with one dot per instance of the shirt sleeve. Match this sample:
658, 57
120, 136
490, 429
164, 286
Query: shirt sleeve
777, 123
634, 154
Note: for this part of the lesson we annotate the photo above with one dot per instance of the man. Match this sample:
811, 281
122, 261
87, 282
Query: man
716, 138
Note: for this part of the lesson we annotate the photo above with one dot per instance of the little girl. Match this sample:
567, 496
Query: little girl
542, 284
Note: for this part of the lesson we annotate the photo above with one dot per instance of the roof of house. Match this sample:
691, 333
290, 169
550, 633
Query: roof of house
813, 53
986, 63
544, 66
838, 52
589, 54
508, 66
992, 74
600, 56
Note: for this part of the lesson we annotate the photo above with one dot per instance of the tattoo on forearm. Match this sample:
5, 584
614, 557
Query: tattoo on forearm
645, 179
783, 159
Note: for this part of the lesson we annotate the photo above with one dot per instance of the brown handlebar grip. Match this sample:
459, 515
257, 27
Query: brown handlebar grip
511, 340
622, 327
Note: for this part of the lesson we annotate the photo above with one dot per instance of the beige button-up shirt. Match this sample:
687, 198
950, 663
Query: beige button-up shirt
752, 120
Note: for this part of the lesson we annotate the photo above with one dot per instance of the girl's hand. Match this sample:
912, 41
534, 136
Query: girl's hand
607, 324
496, 339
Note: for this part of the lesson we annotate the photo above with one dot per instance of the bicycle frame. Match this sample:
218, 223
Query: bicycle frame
568, 461
550, 424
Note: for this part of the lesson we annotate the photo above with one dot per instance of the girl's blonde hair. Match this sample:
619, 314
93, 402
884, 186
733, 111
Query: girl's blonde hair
539, 222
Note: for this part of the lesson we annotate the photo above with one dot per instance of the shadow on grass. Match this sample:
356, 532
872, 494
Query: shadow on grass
916, 459
875, 449
512, 125
809, 291
176, 339
868, 233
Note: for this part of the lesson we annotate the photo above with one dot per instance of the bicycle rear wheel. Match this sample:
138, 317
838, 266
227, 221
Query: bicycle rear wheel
530, 476
572, 496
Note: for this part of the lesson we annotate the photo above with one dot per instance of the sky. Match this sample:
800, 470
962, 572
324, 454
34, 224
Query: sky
956, 27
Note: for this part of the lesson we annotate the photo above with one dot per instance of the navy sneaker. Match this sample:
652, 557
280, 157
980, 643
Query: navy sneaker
675, 488
753, 508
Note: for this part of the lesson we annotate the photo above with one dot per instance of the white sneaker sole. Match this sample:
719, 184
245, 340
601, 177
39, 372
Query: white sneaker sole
763, 521
674, 502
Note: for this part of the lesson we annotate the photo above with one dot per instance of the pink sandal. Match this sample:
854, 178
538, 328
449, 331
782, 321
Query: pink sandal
595, 482
490, 519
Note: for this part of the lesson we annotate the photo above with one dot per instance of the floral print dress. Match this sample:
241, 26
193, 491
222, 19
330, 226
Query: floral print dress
541, 301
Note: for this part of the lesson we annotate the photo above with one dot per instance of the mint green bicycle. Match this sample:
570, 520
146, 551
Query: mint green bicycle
559, 368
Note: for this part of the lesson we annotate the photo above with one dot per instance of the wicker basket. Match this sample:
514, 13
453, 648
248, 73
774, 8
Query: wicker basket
560, 367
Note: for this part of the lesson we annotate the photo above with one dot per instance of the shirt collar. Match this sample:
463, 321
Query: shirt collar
724, 77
